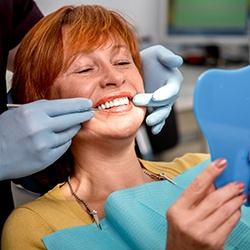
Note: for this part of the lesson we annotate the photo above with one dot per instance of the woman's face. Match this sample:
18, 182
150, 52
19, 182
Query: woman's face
109, 77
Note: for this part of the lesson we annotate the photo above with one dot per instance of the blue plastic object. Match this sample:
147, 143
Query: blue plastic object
222, 110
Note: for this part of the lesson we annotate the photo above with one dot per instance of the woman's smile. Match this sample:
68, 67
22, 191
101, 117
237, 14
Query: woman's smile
114, 103
117, 102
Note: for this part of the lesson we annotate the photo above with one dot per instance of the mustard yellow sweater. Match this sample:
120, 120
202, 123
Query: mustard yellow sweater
29, 223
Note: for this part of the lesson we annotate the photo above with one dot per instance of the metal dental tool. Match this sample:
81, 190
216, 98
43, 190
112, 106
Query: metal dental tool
13, 105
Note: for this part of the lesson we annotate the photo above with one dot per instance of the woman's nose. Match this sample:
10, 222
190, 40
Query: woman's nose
112, 76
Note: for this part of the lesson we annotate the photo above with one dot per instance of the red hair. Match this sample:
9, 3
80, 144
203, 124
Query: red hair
58, 38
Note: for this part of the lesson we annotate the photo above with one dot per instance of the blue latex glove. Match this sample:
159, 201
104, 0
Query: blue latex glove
35, 135
162, 84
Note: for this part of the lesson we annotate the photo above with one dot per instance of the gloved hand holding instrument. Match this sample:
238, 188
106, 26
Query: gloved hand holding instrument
35, 135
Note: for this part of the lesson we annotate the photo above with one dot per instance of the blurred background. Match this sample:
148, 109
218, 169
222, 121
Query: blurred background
206, 33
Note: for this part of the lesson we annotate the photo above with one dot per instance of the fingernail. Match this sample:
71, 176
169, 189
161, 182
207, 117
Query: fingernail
240, 185
220, 163
243, 197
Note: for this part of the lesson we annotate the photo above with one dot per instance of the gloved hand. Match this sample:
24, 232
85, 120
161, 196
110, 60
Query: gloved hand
35, 135
162, 82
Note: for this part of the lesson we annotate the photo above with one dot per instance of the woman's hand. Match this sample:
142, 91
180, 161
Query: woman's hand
203, 217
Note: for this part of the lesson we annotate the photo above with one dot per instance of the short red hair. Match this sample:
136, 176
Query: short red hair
52, 44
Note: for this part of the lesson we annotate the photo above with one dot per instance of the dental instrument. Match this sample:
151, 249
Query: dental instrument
13, 105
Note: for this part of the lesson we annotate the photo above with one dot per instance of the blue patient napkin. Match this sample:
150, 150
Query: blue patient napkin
136, 219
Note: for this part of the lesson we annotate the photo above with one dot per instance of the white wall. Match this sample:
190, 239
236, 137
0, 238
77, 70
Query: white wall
145, 13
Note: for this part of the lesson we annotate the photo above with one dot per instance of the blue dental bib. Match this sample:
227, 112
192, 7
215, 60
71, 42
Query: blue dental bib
136, 219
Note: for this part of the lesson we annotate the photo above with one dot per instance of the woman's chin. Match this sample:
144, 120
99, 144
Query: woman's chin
113, 126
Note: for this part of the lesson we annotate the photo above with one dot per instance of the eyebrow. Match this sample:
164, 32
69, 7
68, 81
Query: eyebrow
119, 46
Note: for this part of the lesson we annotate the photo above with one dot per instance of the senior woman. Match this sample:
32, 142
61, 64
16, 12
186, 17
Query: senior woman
91, 52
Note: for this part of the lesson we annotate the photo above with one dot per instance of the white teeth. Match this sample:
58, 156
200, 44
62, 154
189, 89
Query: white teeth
107, 104
114, 103
111, 104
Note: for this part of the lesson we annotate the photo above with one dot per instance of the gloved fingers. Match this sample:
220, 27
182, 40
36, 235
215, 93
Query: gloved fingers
142, 99
56, 152
64, 106
163, 95
157, 128
47, 115
65, 122
168, 58
158, 115
165, 56
44, 143
171, 89
147, 100
64, 137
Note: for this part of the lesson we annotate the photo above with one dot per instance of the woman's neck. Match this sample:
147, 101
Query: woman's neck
113, 169
100, 171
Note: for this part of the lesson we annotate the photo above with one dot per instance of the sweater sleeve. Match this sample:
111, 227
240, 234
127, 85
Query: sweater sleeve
17, 233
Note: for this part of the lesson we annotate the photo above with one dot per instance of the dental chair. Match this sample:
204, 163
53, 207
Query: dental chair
21, 195
148, 144
222, 110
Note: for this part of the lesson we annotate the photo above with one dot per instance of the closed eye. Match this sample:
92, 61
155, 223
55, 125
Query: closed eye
123, 63
84, 71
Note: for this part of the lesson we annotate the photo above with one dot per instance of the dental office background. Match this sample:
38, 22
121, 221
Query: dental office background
143, 12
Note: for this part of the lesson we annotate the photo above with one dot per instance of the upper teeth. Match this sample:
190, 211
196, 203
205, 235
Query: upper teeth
114, 103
